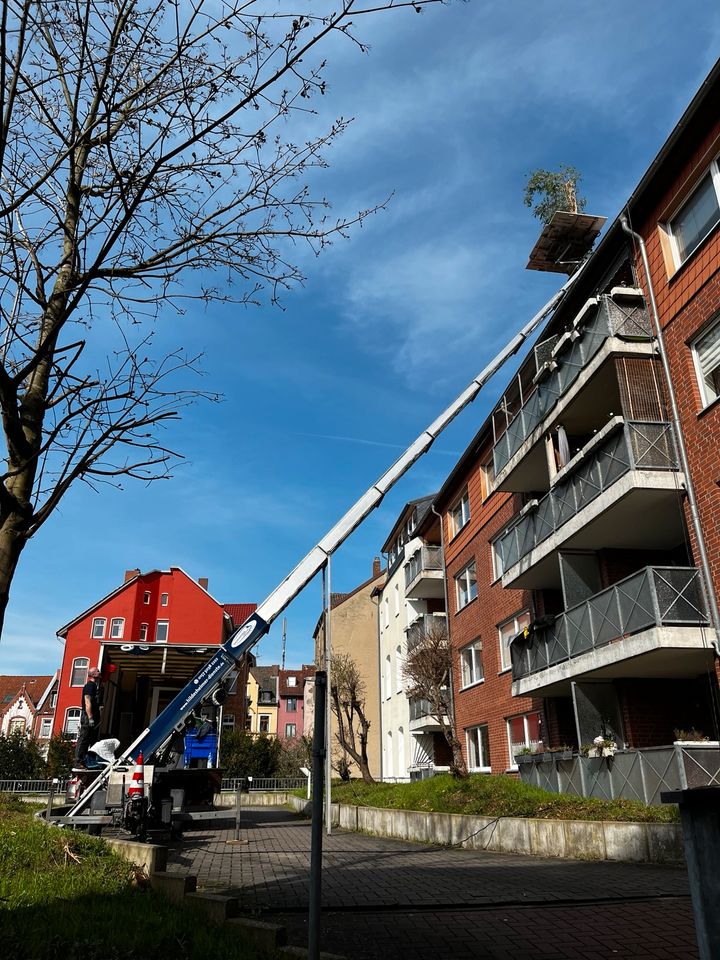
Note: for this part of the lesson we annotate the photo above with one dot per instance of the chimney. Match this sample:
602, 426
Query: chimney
129, 574
377, 568
203, 581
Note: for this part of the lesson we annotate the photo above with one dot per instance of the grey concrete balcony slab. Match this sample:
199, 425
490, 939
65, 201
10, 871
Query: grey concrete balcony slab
651, 624
612, 494
575, 358
424, 577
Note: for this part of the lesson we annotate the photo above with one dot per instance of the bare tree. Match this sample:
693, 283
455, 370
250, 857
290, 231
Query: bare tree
140, 141
428, 670
347, 697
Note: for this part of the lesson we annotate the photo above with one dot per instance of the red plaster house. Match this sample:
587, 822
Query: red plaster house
149, 636
27, 705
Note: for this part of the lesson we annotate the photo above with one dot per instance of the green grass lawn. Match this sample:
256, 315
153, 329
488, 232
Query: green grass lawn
66, 895
491, 796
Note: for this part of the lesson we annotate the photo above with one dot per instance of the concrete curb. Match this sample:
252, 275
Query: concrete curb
151, 856
568, 839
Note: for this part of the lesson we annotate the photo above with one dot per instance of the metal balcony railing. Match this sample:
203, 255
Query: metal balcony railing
572, 352
419, 709
628, 445
418, 629
652, 597
425, 558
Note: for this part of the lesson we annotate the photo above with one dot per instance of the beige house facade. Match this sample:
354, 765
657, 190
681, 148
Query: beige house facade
354, 631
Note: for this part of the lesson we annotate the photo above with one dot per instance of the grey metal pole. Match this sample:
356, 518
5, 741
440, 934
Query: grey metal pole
51, 797
328, 706
680, 440
238, 809
316, 834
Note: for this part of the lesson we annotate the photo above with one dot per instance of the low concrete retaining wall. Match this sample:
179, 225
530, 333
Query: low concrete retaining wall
151, 856
259, 799
571, 839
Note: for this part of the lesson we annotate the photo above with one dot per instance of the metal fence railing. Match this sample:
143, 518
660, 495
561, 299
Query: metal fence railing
32, 786
630, 774
426, 557
264, 784
654, 596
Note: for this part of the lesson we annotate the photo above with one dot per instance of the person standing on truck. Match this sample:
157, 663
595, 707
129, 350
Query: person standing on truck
89, 717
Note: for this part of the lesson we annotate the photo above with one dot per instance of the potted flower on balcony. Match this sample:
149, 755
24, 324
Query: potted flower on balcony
525, 755
602, 747
563, 752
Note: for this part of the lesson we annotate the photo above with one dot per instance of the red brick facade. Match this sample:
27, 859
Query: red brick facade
489, 702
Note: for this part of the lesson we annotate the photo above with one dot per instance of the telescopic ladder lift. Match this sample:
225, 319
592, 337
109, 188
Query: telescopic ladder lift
207, 680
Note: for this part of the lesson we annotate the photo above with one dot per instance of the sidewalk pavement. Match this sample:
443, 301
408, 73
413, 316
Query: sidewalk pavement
387, 899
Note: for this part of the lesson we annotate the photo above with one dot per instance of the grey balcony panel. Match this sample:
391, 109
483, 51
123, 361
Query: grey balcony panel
628, 318
635, 598
680, 600
652, 597
653, 446
610, 318
425, 558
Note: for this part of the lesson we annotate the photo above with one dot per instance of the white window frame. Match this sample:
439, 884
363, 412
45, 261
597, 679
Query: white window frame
16, 725
164, 599
53, 699
97, 630
532, 744
705, 389
45, 728
517, 626
713, 171
460, 513
288, 708
498, 564
291, 681
166, 624
69, 728
144, 631
471, 655
117, 628
76, 666
146, 597
397, 599
263, 718
464, 575
290, 736
228, 721
398, 669
473, 741
388, 677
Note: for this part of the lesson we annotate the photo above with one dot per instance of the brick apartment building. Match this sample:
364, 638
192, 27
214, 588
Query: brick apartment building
577, 605
149, 637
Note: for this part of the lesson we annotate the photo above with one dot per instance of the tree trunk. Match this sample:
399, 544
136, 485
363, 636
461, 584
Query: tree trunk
13, 530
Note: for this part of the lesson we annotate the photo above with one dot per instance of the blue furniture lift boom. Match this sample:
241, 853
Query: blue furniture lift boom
209, 678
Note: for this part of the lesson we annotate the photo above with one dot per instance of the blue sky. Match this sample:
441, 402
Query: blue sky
453, 108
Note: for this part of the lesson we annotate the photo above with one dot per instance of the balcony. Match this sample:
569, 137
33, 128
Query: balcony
421, 718
609, 495
649, 624
622, 315
419, 628
424, 578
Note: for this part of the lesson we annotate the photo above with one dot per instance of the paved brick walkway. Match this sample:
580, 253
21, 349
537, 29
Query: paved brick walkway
387, 899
